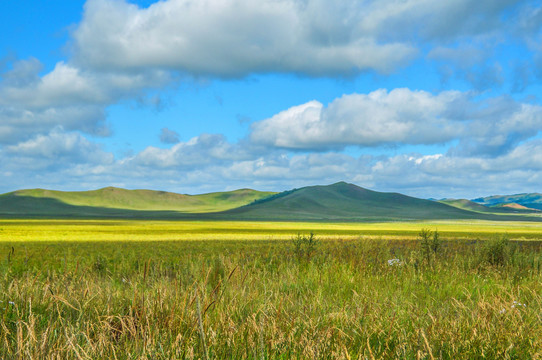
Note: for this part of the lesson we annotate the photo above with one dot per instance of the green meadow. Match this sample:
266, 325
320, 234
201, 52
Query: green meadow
127, 289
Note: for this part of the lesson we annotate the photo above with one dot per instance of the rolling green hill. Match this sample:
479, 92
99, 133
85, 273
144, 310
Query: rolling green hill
466, 205
23, 207
336, 202
146, 200
348, 202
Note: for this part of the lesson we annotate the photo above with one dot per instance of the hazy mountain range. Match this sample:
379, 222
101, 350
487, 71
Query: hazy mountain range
336, 202
530, 201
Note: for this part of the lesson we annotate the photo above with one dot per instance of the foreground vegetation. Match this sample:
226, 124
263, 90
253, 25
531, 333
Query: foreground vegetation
303, 297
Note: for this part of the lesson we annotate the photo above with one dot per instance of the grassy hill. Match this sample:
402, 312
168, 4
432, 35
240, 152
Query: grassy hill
348, 202
28, 207
466, 205
336, 202
146, 200
496, 209
530, 200
515, 207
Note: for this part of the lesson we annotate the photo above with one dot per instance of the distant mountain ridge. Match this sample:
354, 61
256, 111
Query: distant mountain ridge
496, 209
336, 202
528, 200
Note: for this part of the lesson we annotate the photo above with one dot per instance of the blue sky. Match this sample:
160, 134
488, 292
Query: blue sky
428, 98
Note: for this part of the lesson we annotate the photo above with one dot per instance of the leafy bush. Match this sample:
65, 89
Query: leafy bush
497, 251
430, 243
305, 246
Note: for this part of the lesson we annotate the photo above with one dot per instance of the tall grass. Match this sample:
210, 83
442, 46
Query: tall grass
259, 300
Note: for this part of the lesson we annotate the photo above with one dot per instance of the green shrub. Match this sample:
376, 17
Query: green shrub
305, 246
497, 251
430, 243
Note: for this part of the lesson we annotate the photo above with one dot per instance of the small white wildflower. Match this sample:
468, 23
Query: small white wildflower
502, 311
393, 262
517, 304
11, 302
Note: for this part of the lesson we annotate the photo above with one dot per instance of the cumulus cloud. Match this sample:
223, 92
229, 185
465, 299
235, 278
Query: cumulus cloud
424, 175
311, 37
67, 84
403, 117
234, 38
199, 151
374, 119
442, 175
67, 96
55, 150
19, 123
210, 163
31, 104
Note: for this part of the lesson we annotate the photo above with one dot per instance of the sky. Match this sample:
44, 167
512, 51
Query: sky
428, 98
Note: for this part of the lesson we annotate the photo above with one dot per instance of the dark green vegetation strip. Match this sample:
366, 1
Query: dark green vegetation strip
303, 298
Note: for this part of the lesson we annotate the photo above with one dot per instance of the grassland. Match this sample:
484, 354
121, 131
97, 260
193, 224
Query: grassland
140, 230
176, 290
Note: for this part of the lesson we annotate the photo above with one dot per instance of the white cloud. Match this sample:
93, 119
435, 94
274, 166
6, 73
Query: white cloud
448, 176
68, 85
67, 96
199, 151
56, 150
400, 117
234, 38
19, 123
209, 163
311, 37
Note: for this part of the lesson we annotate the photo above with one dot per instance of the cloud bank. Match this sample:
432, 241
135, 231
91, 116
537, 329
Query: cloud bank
270, 157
